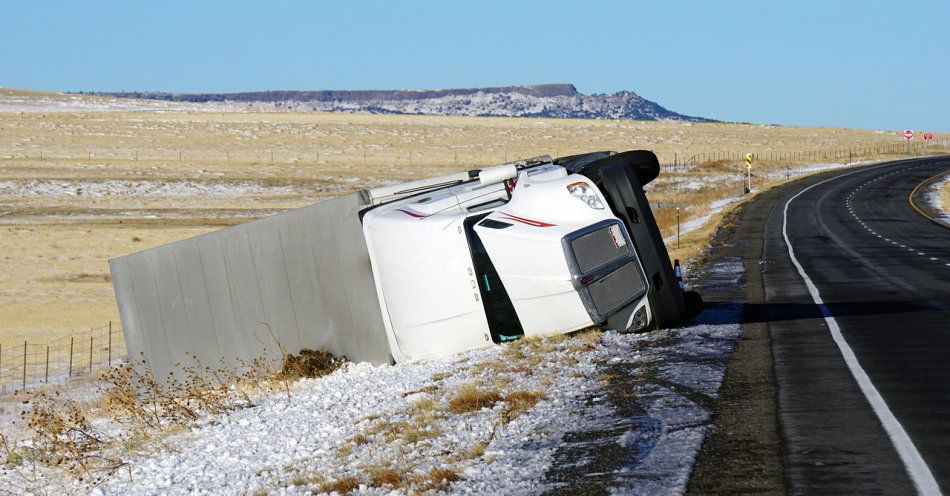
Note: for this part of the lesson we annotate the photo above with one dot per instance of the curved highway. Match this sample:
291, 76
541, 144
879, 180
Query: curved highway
881, 274
846, 343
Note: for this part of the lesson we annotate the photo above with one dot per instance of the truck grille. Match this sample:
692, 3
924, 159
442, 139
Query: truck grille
597, 249
616, 288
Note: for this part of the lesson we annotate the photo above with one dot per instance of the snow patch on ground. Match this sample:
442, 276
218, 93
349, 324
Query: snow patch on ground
714, 208
812, 168
359, 418
660, 405
44, 103
718, 205
163, 188
933, 198
56, 187
693, 182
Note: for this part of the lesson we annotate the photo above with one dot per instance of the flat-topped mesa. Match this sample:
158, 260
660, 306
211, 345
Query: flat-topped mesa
272, 96
538, 100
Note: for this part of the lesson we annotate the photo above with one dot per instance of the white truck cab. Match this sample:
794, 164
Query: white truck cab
521, 249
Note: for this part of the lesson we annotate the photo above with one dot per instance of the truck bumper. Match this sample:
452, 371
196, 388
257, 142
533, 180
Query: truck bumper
619, 178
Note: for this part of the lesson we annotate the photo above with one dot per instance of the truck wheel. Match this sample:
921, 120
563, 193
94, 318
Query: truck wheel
694, 303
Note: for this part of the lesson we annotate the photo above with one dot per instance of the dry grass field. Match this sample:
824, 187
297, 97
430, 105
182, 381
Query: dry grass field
82, 182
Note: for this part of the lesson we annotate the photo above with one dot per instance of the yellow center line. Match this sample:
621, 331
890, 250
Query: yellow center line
910, 199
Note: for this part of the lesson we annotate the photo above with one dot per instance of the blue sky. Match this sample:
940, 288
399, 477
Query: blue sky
864, 64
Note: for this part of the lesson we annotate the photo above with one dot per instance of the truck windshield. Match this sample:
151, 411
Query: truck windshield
502, 319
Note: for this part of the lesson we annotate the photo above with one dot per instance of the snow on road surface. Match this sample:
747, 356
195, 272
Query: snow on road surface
362, 421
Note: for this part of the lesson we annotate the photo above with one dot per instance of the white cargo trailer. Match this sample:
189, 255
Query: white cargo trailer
415, 270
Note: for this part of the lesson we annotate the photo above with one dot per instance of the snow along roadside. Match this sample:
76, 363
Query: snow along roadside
935, 198
718, 205
392, 430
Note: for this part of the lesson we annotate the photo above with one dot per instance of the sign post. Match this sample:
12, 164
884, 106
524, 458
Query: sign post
677, 206
908, 135
748, 167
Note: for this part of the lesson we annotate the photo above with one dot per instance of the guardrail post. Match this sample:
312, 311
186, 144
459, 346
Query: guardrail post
72, 340
47, 364
24, 365
90, 352
110, 343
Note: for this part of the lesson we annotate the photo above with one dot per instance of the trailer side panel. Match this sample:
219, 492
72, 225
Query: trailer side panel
300, 279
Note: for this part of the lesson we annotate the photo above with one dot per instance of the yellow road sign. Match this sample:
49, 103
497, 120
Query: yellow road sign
748, 160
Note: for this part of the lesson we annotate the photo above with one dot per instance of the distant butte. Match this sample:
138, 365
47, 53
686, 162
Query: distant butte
540, 100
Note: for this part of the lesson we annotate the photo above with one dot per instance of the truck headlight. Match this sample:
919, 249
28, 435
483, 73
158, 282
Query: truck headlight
585, 192
640, 319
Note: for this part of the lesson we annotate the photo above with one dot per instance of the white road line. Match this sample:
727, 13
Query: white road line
916, 467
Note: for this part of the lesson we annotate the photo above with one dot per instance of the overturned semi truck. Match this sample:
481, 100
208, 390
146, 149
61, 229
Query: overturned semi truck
414, 270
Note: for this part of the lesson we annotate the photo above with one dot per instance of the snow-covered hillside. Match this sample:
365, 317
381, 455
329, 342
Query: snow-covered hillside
547, 100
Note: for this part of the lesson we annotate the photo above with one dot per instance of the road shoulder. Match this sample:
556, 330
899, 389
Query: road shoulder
743, 452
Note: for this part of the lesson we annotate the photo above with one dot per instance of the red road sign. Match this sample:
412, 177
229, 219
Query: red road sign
928, 136
908, 134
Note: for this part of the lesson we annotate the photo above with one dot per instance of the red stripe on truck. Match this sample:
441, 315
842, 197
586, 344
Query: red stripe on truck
535, 223
418, 216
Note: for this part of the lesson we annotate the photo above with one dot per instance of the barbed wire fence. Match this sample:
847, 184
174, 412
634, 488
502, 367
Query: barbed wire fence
29, 365
847, 154
370, 154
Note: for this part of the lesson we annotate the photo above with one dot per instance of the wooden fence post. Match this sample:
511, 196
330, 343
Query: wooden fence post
24, 365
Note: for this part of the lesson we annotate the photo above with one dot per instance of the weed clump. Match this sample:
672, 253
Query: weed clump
518, 402
439, 479
470, 398
386, 477
342, 486
64, 438
309, 363
13, 456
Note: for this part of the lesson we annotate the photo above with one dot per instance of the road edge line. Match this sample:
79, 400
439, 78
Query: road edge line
915, 465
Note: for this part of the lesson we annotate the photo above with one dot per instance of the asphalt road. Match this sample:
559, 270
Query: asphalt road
881, 272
